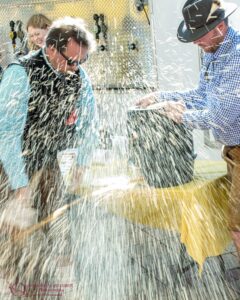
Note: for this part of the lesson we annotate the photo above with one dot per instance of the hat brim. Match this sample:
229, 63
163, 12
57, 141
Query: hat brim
186, 35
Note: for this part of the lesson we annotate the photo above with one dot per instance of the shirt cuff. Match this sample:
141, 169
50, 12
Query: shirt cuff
18, 182
188, 120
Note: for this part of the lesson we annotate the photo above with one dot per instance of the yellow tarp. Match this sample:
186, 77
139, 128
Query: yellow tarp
197, 210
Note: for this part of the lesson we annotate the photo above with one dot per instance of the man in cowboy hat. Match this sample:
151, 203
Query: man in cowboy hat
215, 103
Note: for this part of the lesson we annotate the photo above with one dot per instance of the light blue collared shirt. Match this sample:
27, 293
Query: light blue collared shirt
14, 96
215, 104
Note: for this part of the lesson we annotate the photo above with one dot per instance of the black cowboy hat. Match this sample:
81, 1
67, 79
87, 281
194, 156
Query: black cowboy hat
201, 16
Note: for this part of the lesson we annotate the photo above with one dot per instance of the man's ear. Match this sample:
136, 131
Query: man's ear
222, 25
222, 28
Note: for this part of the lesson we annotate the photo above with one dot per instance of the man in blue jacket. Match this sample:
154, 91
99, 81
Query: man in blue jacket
46, 106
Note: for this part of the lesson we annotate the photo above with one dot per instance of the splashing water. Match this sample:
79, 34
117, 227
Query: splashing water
118, 237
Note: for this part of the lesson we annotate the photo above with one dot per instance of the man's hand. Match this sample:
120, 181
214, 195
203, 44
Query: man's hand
173, 110
76, 176
23, 194
18, 213
146, 101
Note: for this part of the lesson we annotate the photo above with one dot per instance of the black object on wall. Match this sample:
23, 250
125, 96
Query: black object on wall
161, 148
140, 4
100, 29
97, 28
13, 34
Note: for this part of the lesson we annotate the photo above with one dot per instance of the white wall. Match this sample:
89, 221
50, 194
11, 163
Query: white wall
178, 63
235, 17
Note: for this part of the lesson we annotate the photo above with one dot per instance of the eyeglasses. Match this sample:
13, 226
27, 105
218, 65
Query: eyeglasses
71, 62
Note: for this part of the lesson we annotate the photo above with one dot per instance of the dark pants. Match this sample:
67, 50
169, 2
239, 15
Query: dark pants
232, 156
47, 186
26, 262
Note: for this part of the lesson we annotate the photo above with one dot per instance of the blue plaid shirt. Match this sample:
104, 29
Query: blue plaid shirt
215, 104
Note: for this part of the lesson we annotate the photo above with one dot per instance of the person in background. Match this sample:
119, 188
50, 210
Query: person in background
215, 103
37, 29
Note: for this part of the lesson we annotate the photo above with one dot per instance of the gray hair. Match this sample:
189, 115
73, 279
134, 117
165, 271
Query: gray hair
63, 30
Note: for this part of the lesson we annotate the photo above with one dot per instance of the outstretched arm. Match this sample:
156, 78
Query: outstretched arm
14, 93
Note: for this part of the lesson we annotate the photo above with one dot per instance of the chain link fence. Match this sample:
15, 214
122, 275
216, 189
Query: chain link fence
124, 58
